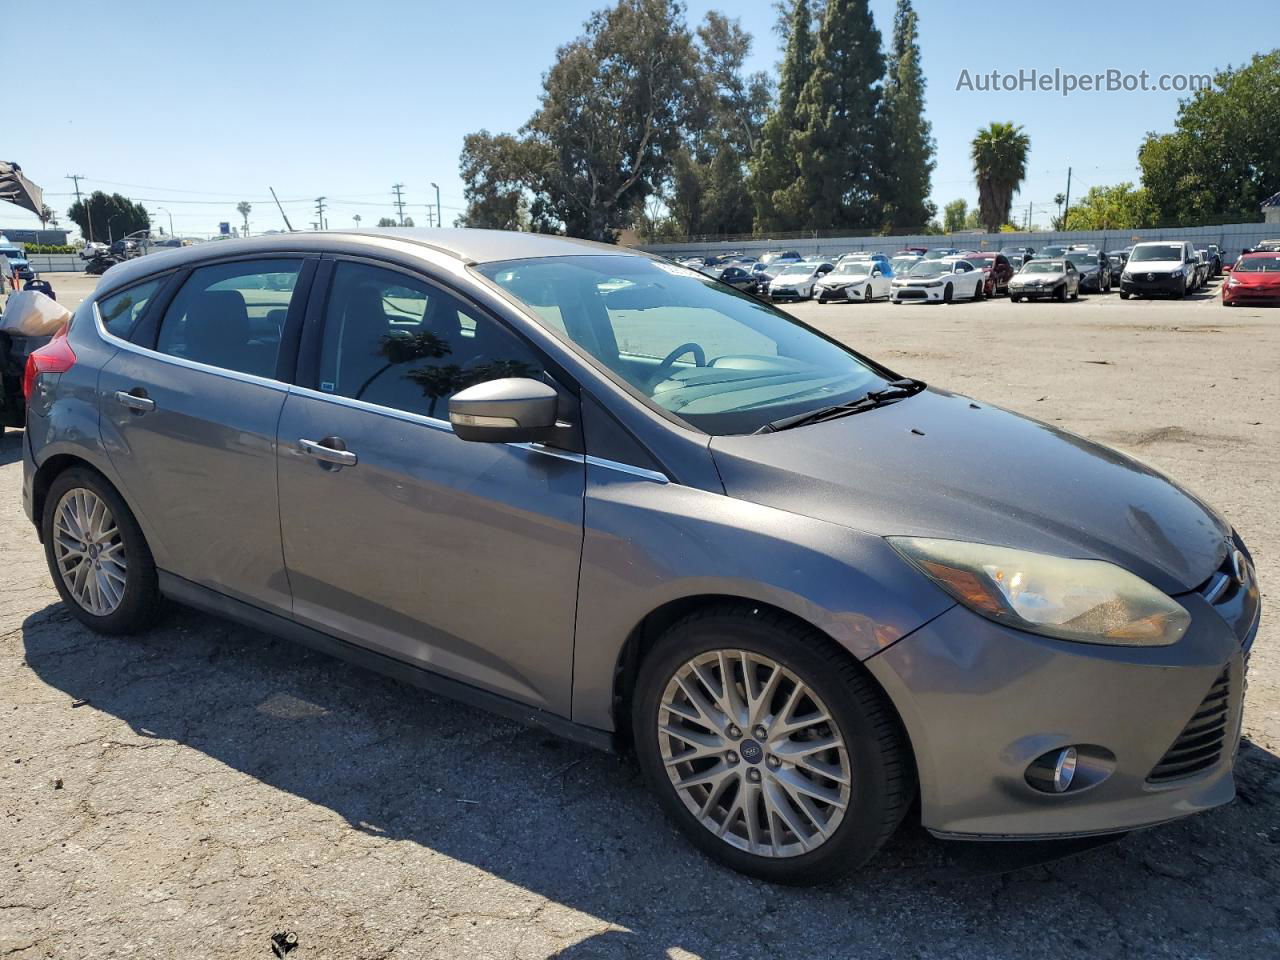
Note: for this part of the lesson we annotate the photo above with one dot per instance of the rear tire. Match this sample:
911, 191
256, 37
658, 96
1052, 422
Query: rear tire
107, 595
1061, 294
749, 824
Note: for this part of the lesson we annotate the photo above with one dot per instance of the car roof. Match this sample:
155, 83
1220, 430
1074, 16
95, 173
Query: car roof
464, 244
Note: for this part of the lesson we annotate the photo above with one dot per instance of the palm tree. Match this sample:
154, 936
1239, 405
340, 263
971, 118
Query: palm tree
243, 208
356, 218
999, 165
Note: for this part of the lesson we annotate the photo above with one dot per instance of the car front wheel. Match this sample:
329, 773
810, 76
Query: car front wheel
770, 746
100, 562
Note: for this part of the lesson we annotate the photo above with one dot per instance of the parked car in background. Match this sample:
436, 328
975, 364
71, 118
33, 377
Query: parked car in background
923, 605
903, 262
92, 249
1254, 278
1159, 268
886, 264
1214, 253
858, 278
939, 281
1116, 259
795, 281
1094, 269
1017, 256
1203, 269
1042, 278
1267, 246
997, 269
780, 257
17, 260
737, 277
1053, 251
937, 253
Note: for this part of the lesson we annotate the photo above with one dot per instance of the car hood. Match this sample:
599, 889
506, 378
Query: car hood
940, 465
1033, 277
1268, 279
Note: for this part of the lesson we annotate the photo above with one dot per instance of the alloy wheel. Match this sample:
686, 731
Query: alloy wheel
89, 551
754, 753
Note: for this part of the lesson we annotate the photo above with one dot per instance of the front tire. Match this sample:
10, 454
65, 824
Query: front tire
98, 558
946, 294
795, 770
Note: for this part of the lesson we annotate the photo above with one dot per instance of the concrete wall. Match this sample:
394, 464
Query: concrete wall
1231, 237
56, 262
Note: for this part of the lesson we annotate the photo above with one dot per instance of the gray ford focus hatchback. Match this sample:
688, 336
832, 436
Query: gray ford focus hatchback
595, 490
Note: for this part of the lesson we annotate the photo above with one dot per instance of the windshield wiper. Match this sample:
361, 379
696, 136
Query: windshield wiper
892, 391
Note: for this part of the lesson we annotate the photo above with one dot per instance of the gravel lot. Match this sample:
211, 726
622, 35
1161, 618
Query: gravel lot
191, 792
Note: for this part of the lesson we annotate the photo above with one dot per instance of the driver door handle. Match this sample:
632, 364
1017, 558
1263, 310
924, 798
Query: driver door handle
320, 451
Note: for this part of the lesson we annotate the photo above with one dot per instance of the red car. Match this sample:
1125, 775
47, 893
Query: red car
997, 269
1255, 278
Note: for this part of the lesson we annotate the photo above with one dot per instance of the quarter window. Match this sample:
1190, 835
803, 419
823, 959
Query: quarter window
405, 344
121, 311
231, 315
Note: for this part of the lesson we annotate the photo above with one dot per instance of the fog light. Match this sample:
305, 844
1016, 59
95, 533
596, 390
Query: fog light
1053, 772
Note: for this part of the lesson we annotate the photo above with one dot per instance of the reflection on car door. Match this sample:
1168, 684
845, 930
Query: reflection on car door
458, 557
188, 416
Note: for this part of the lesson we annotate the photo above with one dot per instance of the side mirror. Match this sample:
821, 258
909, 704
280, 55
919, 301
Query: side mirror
512, 410
1226, 268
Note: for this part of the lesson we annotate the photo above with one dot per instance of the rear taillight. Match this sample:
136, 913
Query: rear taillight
56, 356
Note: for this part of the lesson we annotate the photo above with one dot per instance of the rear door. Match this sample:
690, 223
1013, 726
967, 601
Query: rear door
189, 413
458, 557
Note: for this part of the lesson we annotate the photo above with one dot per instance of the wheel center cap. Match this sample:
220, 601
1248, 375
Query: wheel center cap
751, 751
93, 552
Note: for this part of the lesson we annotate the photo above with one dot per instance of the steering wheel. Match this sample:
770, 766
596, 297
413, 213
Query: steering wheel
664, 368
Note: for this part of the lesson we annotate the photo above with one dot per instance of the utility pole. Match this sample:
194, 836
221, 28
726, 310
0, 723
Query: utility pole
1028, 225
1066, 206
397, 188
76, 178
319, 225
439, 215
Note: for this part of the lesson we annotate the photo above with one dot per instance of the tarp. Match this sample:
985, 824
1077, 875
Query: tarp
31, 314
15, 188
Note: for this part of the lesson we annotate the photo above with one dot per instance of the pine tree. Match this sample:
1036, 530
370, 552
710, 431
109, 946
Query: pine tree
774, 168
840, 143
910, 144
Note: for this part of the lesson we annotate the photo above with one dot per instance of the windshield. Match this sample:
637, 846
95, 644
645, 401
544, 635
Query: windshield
643, 319
13, 253
929, 268
854, 268
903, 264
1083, 259
1042, 266
1258, 265
1158, 251
1052, 251
797, 270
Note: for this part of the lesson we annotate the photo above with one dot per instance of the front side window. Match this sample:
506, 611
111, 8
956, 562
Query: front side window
231, 315
721, 361
400, 342
121, 311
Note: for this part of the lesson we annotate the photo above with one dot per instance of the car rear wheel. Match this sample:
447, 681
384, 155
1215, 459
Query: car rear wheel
770, 746
100, 562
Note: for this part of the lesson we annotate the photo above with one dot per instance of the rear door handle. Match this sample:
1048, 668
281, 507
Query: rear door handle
135, 403
319, 450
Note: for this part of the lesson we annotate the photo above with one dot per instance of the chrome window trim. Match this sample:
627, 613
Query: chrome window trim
651, 475
131, 347
1217, 587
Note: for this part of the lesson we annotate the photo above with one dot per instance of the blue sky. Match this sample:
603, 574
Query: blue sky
192, 107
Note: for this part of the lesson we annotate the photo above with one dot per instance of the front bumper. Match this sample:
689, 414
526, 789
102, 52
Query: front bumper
916, 294
1162, 285
1032, 293
1250, 294
981, 701
787, 293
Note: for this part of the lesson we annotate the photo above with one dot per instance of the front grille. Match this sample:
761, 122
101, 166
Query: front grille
1201, 742
911, 294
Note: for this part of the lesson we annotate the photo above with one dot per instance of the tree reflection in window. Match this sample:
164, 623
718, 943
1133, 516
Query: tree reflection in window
444, 380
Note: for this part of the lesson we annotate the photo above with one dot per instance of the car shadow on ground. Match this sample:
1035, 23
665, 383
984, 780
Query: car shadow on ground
577, 826
10, 446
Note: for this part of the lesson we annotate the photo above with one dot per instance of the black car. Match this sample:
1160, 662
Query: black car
1117, 258
738, 278
1094, 268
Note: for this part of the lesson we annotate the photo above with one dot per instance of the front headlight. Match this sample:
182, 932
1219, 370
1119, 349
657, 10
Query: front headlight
1176, 273
1233, 282
931, 283
1126, 275
1090, 601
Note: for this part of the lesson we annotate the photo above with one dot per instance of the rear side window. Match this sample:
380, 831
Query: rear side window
120, 311
231, 315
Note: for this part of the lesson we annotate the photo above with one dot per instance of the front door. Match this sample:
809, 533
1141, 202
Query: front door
189, 418
459, 557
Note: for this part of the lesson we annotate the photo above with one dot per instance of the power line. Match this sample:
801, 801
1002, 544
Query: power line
319, 213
